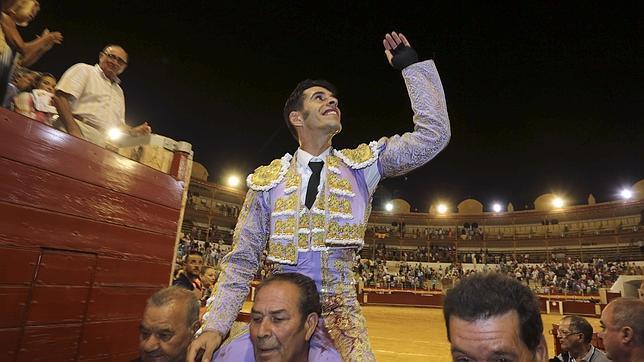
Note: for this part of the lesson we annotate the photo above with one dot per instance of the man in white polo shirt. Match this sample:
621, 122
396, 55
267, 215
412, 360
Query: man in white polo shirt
90, 100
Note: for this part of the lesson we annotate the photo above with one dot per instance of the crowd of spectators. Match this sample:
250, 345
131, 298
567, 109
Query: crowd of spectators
211, 251
557, 277
433, 253
449, 253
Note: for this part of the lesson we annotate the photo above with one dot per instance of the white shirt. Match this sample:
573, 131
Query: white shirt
371, 173
96, 99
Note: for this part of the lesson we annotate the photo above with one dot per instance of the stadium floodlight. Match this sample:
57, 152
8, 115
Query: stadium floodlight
496, 207
233, 181
115, 133
442, 208
558, 202
626, 194
389, 207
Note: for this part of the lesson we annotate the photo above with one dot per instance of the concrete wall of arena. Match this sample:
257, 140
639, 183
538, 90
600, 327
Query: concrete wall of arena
628, 285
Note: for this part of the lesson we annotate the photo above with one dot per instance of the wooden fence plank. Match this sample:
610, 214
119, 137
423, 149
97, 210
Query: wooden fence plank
9, 338
56, 304
33, 143
13, 303
109, 303
66, 268
31, 227
50, 343
106, 339
18, 265
114, 272
27, 185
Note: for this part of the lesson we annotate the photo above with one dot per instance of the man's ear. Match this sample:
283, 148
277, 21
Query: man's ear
310, 324
296, 119
541, 353
627, 334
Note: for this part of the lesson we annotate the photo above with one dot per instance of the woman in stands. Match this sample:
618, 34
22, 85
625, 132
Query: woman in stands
20, 13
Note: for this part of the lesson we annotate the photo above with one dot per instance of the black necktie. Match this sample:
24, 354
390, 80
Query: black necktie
314, 181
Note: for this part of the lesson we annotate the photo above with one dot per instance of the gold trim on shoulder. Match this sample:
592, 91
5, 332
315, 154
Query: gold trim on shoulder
359, 157
266, 177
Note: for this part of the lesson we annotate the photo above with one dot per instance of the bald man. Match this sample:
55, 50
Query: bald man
90, 101
622, 324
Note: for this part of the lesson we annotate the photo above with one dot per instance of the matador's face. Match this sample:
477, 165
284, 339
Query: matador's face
320, 111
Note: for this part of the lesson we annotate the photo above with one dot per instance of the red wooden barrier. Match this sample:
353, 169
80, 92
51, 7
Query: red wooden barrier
86, 236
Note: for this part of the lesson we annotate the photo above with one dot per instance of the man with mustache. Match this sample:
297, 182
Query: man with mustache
311, 209
284, 318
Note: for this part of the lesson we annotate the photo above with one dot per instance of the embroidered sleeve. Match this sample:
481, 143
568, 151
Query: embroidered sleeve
239, 266
401, 154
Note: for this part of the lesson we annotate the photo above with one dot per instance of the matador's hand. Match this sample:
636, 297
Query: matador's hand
207, 343
398, 51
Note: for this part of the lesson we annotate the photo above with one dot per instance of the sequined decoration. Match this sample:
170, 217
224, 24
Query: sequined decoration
287, 205
431, 123
344, 321
359, 155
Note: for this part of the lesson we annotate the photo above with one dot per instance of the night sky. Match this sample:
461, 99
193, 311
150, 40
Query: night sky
543, 96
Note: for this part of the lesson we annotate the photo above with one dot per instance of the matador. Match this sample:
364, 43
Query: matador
310, 210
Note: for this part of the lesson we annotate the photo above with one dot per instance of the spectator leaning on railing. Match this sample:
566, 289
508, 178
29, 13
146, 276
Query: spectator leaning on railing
90, 100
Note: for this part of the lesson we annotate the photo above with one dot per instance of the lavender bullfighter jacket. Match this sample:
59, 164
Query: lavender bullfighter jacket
321, 242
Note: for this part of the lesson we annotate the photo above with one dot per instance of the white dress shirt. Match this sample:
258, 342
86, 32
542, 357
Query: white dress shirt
97, 100
371, 173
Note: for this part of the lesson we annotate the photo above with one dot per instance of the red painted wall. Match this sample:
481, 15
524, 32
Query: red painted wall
86, 236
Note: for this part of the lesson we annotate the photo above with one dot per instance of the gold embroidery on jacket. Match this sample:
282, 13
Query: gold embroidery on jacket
358, 155
286, 226
292, 180
286, 204
283, 252
265, 175
340, 186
